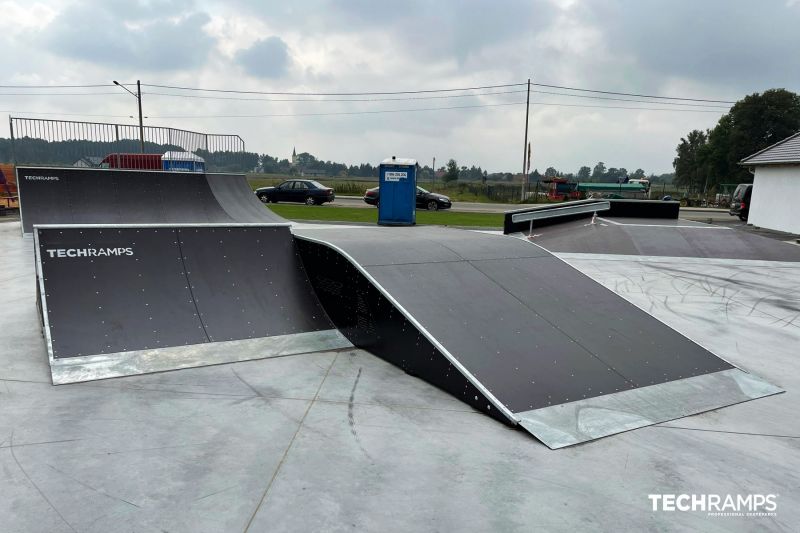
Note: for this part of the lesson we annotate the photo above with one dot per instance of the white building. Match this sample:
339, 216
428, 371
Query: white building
776, 186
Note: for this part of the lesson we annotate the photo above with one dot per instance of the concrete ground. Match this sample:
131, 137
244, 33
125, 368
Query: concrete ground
344, 441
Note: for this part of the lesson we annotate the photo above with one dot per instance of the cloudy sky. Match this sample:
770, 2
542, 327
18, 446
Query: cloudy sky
714, 49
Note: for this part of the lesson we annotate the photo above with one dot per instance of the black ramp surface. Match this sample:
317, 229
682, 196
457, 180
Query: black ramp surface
113, 290
114, 303
663, 238
371, 321
249, 282
102, 196
236, 197
527, 330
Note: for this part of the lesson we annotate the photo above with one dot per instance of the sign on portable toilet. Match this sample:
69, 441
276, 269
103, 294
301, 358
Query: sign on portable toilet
397, 204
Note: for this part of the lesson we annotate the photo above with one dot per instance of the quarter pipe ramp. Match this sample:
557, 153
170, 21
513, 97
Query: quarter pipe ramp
92, 196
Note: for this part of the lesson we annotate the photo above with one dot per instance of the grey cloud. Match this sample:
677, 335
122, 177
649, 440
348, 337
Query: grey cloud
439, 30
733, 42
97, 32
267, 58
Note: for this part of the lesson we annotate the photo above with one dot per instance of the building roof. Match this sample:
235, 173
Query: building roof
782, 152
399, 161
183, 156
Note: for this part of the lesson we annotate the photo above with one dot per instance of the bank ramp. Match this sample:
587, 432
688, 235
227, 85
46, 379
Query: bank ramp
514, 331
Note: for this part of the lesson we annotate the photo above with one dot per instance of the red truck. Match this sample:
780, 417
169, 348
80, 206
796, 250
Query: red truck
133, 161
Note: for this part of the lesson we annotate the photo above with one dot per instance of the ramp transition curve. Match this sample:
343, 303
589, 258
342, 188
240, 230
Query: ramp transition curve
514, 331
102, 196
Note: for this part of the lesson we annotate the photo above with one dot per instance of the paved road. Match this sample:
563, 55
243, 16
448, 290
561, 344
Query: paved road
470, 207
689, 213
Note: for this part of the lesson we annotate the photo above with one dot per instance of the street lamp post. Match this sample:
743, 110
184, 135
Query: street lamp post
138, 96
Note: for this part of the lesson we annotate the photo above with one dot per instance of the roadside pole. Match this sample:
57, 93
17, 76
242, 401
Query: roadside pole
525, 146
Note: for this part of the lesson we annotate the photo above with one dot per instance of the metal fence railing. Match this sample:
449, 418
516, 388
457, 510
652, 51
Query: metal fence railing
47, 142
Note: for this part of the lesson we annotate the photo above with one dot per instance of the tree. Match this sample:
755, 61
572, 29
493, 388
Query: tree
638, 174
690, 164
752, 124
550, 172
451, 174
599, 171
584, 173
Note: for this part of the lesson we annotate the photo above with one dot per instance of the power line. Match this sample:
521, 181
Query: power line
384, 93
632, 94
379, 111
331, 99
13, 111
372, 112
387, 93
368, 93
56, 86
235, 98
629, 100
59, 94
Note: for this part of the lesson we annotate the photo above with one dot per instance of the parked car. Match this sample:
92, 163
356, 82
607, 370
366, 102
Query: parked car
309, 192
428, 200
740, 201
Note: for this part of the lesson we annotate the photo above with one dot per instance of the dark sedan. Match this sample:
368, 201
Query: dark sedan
309, 192
425, 199
740, 202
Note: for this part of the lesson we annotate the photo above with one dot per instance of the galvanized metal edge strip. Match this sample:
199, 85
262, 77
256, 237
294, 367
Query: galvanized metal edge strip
19, 200
560, 211
135, 362
167, 225
452, 359
40, 278
572, 423
546, 206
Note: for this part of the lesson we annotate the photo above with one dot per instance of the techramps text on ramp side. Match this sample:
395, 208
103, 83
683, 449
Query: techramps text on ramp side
514, 331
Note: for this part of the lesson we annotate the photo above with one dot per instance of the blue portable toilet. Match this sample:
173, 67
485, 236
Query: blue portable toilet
183, 162
397, 181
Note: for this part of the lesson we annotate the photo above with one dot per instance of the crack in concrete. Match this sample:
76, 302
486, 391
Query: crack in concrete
732, 432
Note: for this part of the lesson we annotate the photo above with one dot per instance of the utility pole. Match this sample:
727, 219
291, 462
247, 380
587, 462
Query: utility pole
141, 123
525, 146
138, 96
433, 176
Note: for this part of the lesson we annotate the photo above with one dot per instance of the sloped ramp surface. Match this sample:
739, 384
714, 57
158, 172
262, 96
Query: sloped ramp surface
514, 331
103, 196
128, 300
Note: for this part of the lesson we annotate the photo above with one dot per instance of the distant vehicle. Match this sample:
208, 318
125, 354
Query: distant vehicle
429, 200
309, 192
740, 201
667, 198
183, 162
132, 161
642, 181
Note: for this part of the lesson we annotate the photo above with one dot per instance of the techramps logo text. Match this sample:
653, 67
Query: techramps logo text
42, 178
88, 252
719, 505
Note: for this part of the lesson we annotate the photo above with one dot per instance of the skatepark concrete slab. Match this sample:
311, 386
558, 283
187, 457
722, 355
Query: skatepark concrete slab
345, 441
